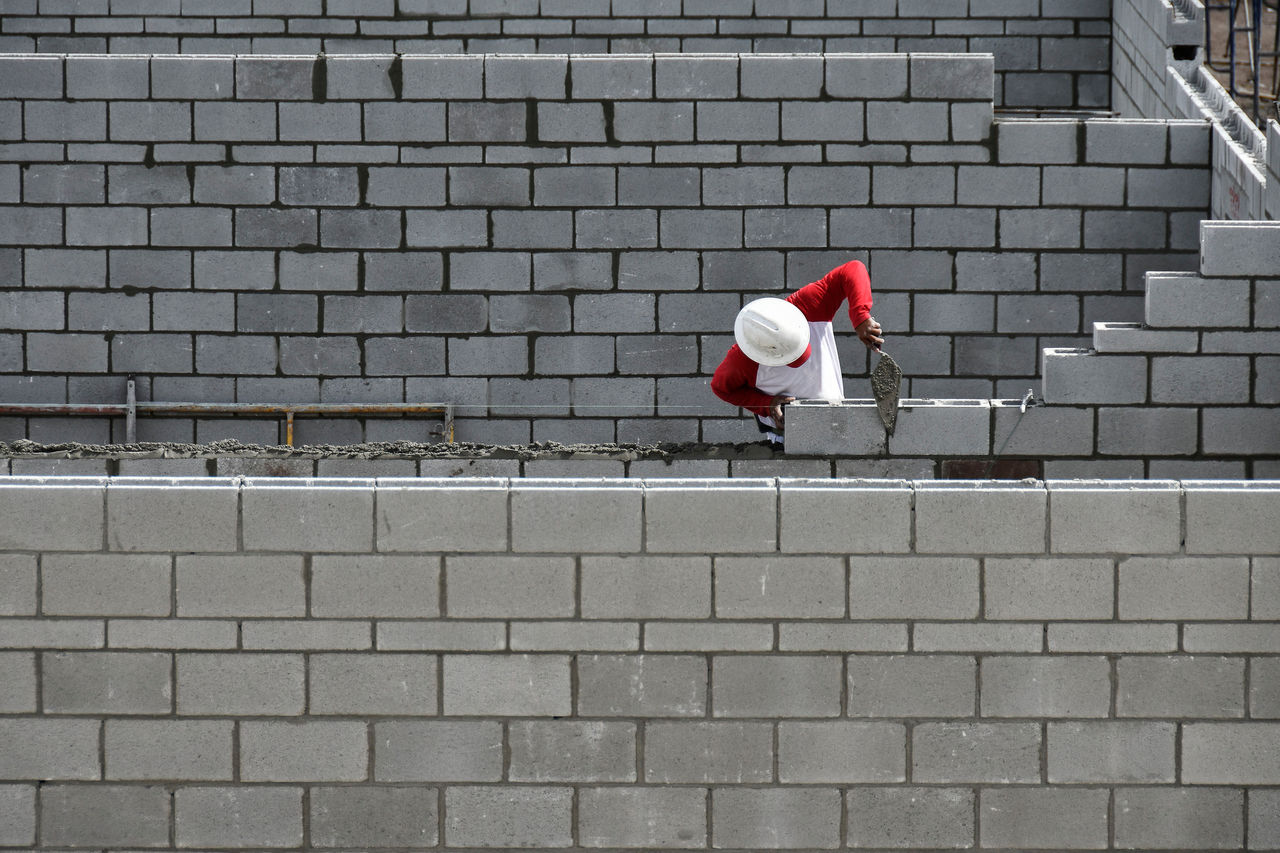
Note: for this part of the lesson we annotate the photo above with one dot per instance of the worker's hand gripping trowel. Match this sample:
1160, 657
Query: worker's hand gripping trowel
885, 379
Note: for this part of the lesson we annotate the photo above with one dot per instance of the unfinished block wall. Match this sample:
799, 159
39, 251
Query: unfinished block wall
557, 244
1149, 37
1049, 53
747, 664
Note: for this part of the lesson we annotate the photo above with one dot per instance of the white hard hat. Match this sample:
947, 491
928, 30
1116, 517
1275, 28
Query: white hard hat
772, 331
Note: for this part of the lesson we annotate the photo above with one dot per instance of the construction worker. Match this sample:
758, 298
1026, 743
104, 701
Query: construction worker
786, 348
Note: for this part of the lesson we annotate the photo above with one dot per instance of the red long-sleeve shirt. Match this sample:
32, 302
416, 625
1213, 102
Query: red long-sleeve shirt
735, 379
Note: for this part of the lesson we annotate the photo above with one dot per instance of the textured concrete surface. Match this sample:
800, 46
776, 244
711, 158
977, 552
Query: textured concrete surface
992, 665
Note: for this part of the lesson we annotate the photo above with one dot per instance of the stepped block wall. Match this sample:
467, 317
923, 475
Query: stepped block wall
1049, 53
335, 229
1191, 390
746, 664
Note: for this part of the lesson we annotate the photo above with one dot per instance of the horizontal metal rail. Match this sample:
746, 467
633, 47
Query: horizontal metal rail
131, 409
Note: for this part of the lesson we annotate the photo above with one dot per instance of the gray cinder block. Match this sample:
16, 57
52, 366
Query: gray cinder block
757, 587
257, 816
108, 77
1185, 817
180, 516
65, 121
65, 267
1179, 686
62, 634
367, 684
1231, 518
791, 686
642, 685
430, 516
642, 817
18, 814
818, 427
779, 76
530, 587
106, 585
438, 751
511, 77
611, 77
507, 685
729, 518
106, 683
508, 816
487, 122
1229, 754
572, 751
374, 586
743, 817
1097, 517
313, 750
703, 76
1044, 817
235, 122
575, 516
725, 752
192, 77
1046, 687
107, 815
311, 635
390, 817
18, 585
232, 184
49, 749
443, 77
976, 752
1052, 588
975, 517
269, 227
73, 183
912, 686
1200, 379
1184, 588
35, 514
31, 76
394, 122
300, 516
1111, 752
1082, 376
172, 634
915, 817
1037, 141
240, 586
891, 587
240, 684
168, 749
841, 752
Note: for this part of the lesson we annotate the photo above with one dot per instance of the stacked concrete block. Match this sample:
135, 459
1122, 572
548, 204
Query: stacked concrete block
554, 243
850, 664
1047, 54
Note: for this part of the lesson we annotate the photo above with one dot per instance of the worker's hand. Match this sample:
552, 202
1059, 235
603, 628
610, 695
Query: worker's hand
869, 332
775, 409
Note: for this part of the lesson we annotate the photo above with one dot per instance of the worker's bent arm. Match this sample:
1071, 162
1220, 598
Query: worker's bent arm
820, 301
734, 382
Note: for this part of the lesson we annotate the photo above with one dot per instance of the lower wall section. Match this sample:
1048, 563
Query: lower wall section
727, 664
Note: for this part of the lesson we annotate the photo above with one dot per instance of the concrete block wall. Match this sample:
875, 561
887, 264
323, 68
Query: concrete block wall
1200, 371
1150, 37
557, 244
481, 664
1049, 53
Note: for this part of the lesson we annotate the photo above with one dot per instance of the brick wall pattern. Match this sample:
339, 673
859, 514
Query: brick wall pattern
558, 243
1049, 53
742, 664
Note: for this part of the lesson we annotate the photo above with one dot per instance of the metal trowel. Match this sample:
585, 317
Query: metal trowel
885, 380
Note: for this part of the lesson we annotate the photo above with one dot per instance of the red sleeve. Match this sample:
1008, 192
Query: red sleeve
735, 382
820, 301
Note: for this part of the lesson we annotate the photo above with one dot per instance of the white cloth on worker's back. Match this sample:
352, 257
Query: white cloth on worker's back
819, 378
